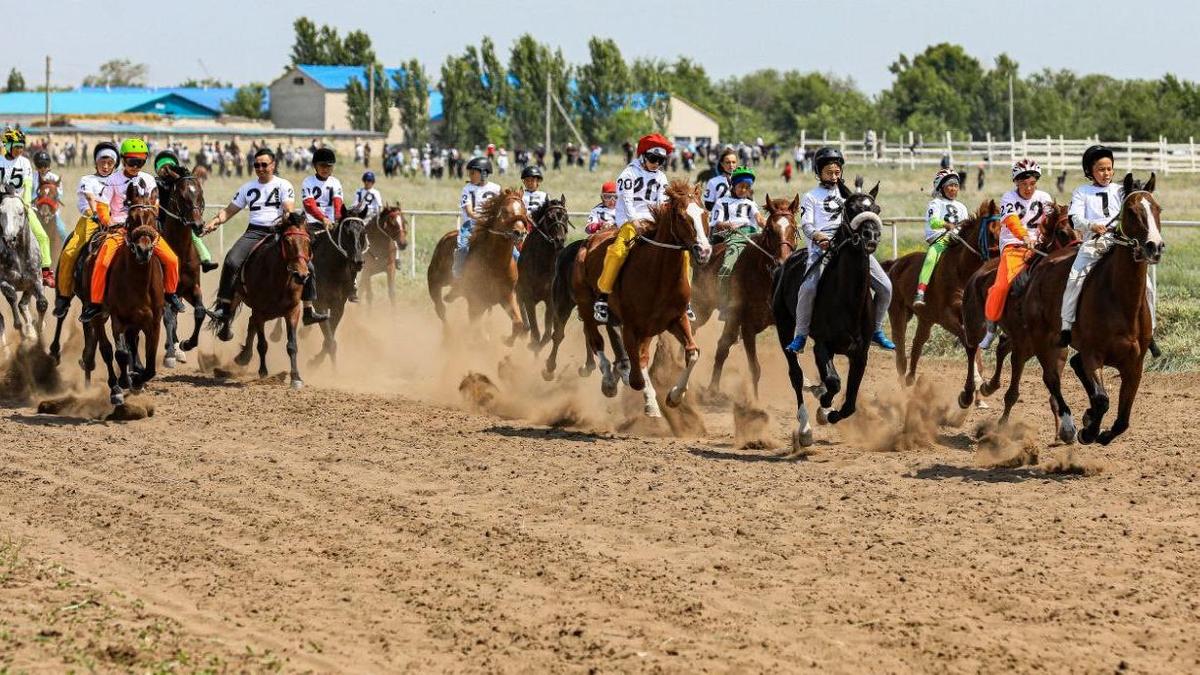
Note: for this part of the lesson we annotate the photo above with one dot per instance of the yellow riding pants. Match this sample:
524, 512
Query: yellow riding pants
614, 258
84, 229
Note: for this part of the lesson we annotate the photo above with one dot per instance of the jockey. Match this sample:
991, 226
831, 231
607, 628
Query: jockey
93, 209
133, 158
641, 185
475, 194
1096, 209
942, 218
718, 186
368, 195
1020, 211
269, 199
534, 197
15, 170
41, 164
737, 216
820, 218
604, 214
163, 160
322, 192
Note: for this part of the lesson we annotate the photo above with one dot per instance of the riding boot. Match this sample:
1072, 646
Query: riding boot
91, 311
796, 346
1064, 338
600, 309
62, 305
208, 265
172, 300
312, 316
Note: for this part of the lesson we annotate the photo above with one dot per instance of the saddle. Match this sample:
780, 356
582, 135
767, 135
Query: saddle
269, 240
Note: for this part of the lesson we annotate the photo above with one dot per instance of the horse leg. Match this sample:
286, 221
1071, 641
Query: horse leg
831, 384
802, 435
641, 376
247, 352
10, 294
729, 335
171, 323
858, 366
123, 357
514, 315
56, 341
335, 319
1052, 361
1131, 376
621, 360
555, 329
116, 395
918, 346
87, 358
42, 306
1097, 397
898, 317
1014, 388
682, 330
1003, 348
153, 334
293, 350
391, 278
136, 367
260, 336
750, 344
198, 314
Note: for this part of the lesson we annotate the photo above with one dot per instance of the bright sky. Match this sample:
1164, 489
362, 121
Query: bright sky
243, 41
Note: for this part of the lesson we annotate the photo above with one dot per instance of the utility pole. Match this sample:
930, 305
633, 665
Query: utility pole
547, 112
371, 97
1011, 136
47, 120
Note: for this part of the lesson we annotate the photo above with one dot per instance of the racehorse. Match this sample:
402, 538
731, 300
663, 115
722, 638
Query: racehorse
489, 276
338, 255
46, 206
270, 284
1056, 236
751, 285
559, 308
133, 300
972, 246
387, 233
180, 213
843, 315
535, 269
650, 296
20, 276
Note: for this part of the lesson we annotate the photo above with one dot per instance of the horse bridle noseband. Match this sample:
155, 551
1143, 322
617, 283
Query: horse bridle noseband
1119, 236
775, 263
194, 224
537, 224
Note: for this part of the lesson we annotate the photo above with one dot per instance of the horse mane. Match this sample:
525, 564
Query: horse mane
492, 210
676, 190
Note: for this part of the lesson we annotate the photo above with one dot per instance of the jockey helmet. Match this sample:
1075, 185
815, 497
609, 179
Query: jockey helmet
655, 147
369, 177
41, 159
480, 164
1023, 168
609, 188
13, 138
741, 174
825, 156
324, 156
134, 147
1093, 155
165, 158
531, 171
943, 178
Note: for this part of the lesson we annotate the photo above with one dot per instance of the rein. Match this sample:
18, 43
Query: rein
194, 224
537, 226
1119, 236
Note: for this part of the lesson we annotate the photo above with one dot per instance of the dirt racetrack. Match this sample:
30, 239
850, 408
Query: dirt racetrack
374, 521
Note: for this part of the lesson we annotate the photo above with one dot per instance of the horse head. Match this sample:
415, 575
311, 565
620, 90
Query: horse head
981, 230
553, 222
185, 195
12, 216
295, 246
391, 221
781, 225
683, 217
504, 215
861, 225
46, 203
1140, 218
141, 240
1054, 229
350, 235
140, 221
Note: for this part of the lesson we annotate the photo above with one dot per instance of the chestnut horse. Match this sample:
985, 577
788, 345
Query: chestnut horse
535, 269
387, 234
489, 276
651, 295
46, 205
180, 213
270, 284
752, 284
843, 315
969, 249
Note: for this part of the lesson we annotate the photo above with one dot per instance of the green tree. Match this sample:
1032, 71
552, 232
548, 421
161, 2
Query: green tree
358, 101
205, 83
16, 81
118, 73
247, 102
603, 89
530, 62
465, 116
651, 81
410, 87
356, 48
306, 47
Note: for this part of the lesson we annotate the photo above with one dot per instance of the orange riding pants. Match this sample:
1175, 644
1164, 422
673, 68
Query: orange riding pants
1012, 261
170, 264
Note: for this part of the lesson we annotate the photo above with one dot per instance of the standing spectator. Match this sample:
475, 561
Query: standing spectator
787, 172
540, 153
628, 148
558, 155
367, 156
358, 153
593, 157
502, 161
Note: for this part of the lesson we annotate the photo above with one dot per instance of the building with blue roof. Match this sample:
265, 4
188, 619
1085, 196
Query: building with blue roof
30, 104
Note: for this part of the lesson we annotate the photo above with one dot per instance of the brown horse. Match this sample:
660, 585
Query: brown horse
535, 269
489, 276
1057, 241
652, 293
46, 205
180, 213
387, 234
974, 244
272, 280
752, 285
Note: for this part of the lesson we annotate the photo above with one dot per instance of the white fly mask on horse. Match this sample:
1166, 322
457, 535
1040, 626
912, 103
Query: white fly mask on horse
12, 219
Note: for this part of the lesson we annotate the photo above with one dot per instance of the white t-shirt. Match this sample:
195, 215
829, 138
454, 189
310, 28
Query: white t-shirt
820, 211
601, 217
476, 196
118, 184
264, 201
16, 172
637, 190
1028, 210
533, 199
1096, 205
372, 198
950, 211
94, 185
324, 192
716, 188
739, 212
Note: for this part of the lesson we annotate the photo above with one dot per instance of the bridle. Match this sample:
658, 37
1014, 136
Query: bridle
782, 238
337, 241
174, 197
556, 208
1119, 236
295, 231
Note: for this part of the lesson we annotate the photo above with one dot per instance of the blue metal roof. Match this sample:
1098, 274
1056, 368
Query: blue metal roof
103, 102
213, 98
335, 78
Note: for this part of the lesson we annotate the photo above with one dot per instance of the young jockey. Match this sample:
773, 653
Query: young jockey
1020, 210
604, 214
1096, 209
162, 160
534, 197
738, 218
641, 185
942, 217
93, 209
475, 194
15, 170
269, 199
718, 186
820, 218
368, 195
41, 164
322, 192
133, 158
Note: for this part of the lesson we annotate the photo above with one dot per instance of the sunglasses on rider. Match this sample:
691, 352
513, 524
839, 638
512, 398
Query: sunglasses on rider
262, 165
134, 161
657, 159
609, 195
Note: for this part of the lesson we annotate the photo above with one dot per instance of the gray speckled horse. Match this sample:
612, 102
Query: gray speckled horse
20, 274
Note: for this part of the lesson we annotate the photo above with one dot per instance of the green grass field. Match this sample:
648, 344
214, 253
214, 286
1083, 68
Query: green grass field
903, 192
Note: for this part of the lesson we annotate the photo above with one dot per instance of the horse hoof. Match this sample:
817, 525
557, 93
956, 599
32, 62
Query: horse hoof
965, 398
584, 371
801, 440
1066, 431
608, 387
548, 375
909, 380
242, 359
823, 415
169, 362
653, 411
1106, 437
55, 356
981, 404
986, 389
675, 397
835, 416
297, 385
187, 345
180, 358
117, 398
1086, 436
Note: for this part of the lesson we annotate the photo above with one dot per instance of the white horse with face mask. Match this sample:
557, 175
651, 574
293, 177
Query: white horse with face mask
20, 276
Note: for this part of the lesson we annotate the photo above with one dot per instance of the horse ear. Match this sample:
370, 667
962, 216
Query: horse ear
1149, 187
795, 205
1128, 183
562, 198
767, 201
874, 191
858, 183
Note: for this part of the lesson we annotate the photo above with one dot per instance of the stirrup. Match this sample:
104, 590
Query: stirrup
691, 315
600, 311
919, 300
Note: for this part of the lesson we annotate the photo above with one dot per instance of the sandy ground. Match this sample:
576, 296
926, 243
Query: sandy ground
378, 521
